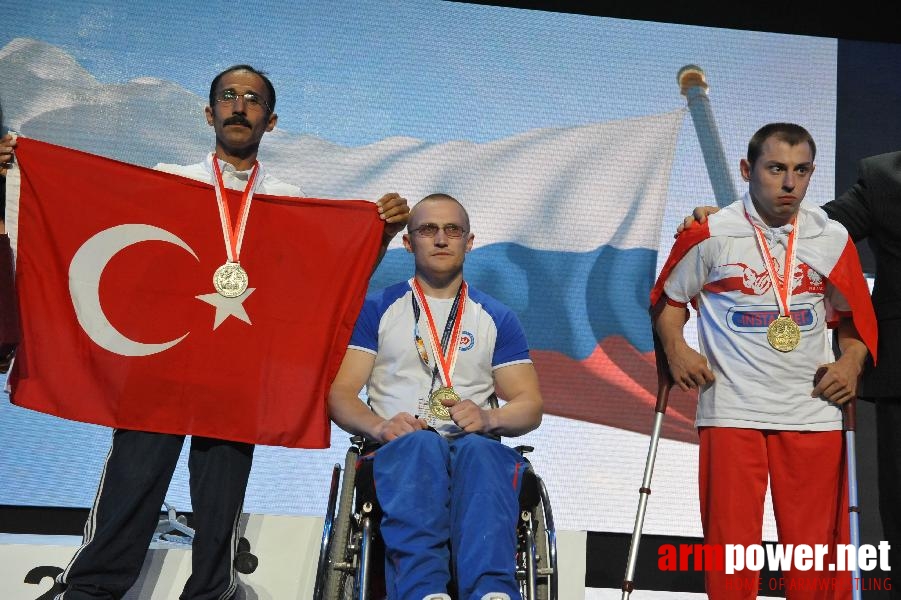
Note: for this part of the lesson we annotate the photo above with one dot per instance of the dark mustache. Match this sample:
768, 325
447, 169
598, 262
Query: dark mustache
236, 120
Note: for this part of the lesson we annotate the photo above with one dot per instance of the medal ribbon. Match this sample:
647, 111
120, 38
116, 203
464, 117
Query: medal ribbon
445, 351
234, 237
783, 291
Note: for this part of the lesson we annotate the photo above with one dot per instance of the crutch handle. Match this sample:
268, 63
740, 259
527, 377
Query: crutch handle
849, 413
664, 377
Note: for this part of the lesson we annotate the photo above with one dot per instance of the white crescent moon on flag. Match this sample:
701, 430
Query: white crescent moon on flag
84, 285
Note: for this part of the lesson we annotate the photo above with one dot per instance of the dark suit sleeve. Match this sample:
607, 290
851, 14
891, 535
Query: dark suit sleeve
853, 208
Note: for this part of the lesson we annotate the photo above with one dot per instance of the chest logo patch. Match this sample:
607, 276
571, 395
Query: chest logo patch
756, 319
467, 340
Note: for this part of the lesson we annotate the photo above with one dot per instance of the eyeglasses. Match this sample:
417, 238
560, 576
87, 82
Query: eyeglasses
451, 230
250, 98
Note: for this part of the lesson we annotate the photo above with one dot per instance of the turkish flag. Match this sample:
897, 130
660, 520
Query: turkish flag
120, 323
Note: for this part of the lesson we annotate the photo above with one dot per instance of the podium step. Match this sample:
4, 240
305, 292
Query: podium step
286, 546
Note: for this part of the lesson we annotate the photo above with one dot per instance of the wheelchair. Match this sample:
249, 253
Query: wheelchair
351, 554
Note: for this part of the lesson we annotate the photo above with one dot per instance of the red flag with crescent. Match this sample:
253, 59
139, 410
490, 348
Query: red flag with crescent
121, 324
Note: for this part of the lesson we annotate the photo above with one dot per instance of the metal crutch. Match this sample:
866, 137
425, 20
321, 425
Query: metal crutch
850, 423
664, 384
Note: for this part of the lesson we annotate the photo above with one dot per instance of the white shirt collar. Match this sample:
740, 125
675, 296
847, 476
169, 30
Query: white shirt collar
229, 172
812, 220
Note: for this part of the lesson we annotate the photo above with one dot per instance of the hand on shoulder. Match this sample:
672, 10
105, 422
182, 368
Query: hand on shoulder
698, 215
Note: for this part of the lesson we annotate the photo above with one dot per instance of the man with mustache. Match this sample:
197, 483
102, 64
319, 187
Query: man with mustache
140, 464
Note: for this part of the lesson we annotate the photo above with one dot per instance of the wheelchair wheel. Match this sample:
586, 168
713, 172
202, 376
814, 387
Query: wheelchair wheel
546, 546
364, 541
542, 591
322, 565
526, 555
339, 577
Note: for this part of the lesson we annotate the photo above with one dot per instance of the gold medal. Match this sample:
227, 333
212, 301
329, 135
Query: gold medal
230, 280
437, 407
449, 344
783, 334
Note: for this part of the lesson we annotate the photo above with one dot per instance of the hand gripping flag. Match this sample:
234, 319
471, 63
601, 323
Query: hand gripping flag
120, 322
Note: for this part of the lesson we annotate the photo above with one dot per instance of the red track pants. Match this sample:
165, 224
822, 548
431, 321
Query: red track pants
808, 481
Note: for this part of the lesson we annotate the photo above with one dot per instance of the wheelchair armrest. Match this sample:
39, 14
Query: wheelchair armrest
524, 449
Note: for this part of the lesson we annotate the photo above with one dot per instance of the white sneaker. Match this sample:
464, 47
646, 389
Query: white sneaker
495, 596
440, 597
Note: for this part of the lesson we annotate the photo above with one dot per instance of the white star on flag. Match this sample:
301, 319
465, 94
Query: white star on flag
228, 307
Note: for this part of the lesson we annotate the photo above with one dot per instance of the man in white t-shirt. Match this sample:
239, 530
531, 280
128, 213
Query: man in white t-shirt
769, 275
432, 351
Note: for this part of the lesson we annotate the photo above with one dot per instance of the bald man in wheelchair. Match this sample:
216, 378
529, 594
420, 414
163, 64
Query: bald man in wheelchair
434, 354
